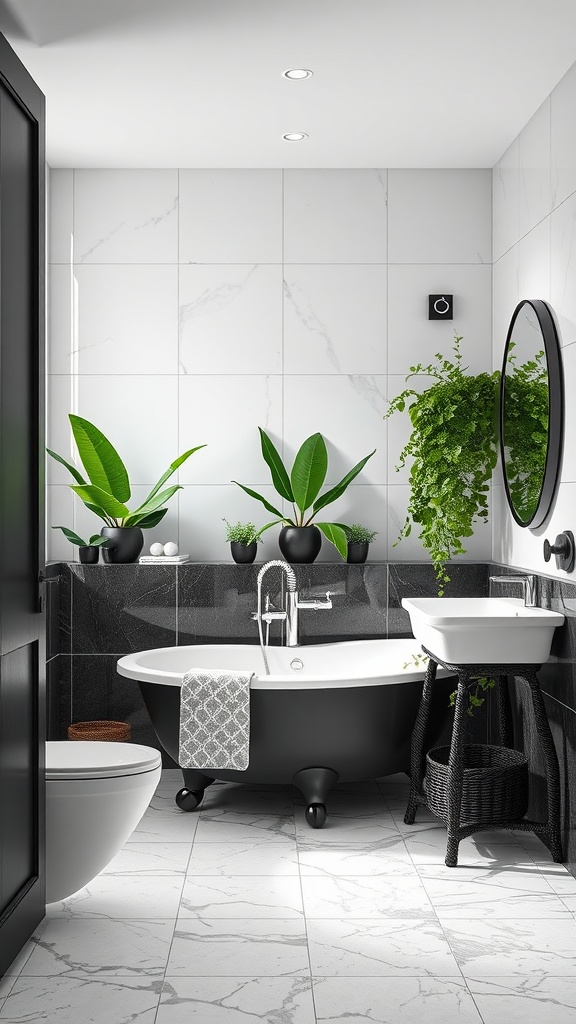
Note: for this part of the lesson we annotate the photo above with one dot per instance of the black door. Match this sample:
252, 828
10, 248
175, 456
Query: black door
22, 654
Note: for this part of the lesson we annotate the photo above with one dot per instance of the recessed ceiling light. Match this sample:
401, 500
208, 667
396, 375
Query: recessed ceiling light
298, 73
295, 136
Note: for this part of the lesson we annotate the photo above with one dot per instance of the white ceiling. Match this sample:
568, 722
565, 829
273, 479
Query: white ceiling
198, 83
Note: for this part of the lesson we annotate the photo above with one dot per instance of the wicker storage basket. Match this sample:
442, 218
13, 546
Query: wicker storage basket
495, 784
115, 731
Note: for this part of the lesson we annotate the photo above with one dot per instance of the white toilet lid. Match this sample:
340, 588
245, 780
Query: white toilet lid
97, 759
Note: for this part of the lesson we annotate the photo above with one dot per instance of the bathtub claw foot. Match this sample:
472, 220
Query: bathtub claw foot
189, 799
315, 784
316, 815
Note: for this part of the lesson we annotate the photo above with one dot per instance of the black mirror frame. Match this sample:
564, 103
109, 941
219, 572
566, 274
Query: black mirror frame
555, 411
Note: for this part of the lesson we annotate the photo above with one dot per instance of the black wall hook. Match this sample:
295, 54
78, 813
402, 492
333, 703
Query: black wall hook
563, 549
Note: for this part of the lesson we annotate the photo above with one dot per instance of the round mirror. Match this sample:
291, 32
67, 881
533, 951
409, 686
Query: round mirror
531, 412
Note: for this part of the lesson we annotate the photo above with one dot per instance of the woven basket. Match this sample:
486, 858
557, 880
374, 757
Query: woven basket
495, 783
114, 731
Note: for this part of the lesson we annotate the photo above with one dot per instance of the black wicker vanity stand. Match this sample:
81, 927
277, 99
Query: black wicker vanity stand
508, 813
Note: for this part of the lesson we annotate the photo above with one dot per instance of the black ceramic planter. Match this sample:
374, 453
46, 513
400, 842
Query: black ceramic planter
88, 555
357, 552
243, 552
124, 545
300, 543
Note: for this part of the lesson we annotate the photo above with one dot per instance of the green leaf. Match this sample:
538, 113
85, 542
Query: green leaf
152, 504
147, 522
71, 469
71, 536
267, 527
171, 469
277, 469
309, 471
336, 535
267, 505
96, 540
100, 459
107, 502
338, 490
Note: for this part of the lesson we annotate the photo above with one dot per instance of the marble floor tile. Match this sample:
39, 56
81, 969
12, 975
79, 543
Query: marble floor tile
93, 946
150, 859
346, 827
241, 800
429, 847
236, 1001
242, 896
559, 879
387, 857
491, 949
251, 857
60, 1000
490, 894
235, 827
394, 1001
161, 826
526, 999
397, 808
366, 897
236, 948
394, 947
18, 963
128, 897
7, 982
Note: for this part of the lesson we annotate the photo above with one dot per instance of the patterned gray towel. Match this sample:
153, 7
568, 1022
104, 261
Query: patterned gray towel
215, 719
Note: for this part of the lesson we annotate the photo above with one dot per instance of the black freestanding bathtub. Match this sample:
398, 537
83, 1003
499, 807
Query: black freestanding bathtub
326, 713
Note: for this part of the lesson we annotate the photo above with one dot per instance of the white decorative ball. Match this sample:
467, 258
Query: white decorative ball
156, 549
171, 549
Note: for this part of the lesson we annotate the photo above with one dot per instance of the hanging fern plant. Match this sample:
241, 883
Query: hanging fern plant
454, 445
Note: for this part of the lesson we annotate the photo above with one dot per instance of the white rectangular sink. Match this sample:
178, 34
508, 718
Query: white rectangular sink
482, 630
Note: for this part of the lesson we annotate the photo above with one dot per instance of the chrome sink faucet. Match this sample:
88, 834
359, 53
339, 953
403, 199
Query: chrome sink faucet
292, 603
528, 583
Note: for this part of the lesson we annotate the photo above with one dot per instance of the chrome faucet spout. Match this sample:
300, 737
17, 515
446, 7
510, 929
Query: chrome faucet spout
529, 584
292, 603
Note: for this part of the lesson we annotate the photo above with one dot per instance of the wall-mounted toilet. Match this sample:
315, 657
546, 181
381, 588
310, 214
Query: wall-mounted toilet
96, 793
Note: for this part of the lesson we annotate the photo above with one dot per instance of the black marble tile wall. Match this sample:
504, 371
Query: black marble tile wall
417, 579
118, 609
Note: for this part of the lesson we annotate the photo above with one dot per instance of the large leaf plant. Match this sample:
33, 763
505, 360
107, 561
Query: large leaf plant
108, 488
301, 487
454, 448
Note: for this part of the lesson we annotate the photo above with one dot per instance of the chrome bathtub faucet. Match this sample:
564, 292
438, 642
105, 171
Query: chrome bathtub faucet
292, 603
528, 583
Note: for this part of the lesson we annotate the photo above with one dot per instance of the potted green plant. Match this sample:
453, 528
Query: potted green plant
454, 447
88, 550
300, 539
359, 540
108, 489
243, 539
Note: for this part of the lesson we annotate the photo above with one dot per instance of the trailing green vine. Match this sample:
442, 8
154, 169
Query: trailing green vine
454, 445
475, 688
526, 415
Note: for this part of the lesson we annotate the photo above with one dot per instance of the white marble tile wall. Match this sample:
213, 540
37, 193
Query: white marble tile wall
193, 306
534, 229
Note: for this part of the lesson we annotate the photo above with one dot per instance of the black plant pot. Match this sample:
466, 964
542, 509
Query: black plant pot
124, 545
243, 552
357, 552
300, 543
88, 555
